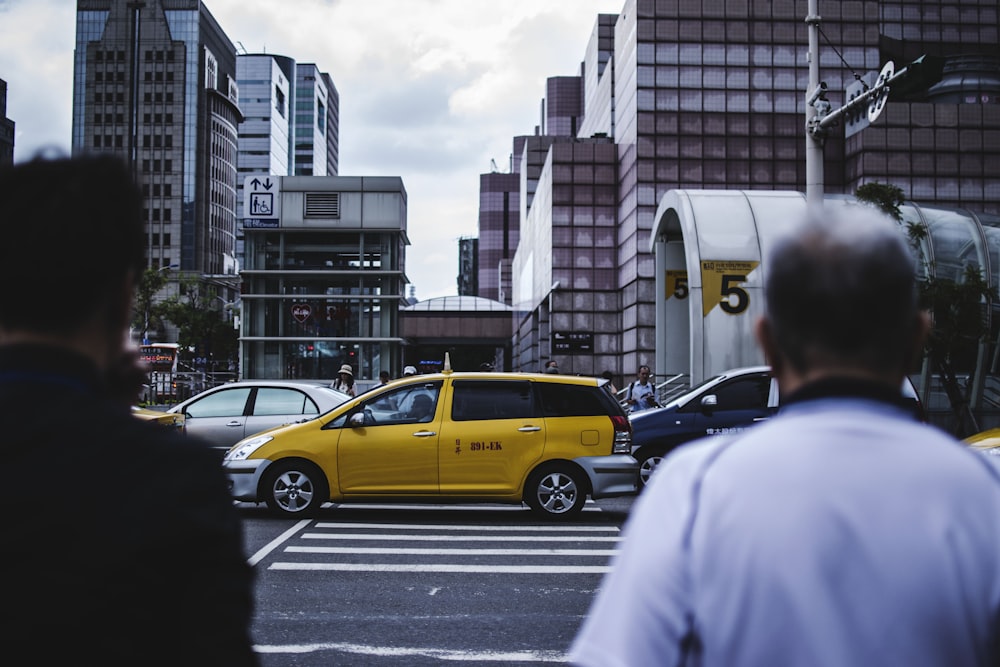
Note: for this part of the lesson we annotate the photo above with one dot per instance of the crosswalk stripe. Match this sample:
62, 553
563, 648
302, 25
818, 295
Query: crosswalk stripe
476, 527
464, 568
460, 538
452, 552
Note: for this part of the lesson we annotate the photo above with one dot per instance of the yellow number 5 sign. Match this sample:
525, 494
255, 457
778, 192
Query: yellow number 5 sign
721, 286
677, 284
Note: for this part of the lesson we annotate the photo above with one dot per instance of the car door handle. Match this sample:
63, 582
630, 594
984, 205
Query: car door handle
529, 429
424, 434
235, 423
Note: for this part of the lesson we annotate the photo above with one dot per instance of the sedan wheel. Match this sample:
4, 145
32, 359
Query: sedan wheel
296, 488
556, 492
647, 464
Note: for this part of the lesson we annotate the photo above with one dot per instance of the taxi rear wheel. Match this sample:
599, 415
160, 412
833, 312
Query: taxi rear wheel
296, 488
556, 491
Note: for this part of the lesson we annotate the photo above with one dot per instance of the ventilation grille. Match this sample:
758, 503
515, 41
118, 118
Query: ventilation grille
322, 204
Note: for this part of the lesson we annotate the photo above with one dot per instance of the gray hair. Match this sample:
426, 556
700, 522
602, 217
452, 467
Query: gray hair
840, 289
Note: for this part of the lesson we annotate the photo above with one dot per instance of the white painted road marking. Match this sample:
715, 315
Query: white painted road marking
463, 568
276, 542
452, 552
458, 538
437, 653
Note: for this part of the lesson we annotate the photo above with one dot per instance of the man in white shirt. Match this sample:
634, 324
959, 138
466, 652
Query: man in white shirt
841, 532
641, 394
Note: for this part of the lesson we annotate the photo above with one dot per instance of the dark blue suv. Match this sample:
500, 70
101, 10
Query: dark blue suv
724, 404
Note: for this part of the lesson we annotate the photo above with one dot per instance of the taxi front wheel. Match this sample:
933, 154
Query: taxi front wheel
296, 488
556, 491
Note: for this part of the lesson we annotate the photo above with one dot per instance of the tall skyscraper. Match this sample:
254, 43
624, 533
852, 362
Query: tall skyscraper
499, 215
468, 266
267, 99
6, 128
316, 140
155, 82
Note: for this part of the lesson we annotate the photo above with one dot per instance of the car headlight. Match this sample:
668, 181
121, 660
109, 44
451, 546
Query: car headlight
244, 448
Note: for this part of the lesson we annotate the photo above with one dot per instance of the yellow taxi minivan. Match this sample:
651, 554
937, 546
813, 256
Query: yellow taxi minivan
547, 441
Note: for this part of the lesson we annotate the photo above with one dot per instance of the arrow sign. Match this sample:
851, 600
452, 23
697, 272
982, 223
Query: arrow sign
261, 201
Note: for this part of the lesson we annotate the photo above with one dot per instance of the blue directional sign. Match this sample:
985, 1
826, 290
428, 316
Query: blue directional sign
261, 201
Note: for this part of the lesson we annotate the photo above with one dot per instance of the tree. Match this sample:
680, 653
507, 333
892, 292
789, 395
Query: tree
201, 327
959, 309
147, 312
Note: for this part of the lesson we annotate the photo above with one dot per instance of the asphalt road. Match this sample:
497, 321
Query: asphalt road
426, 584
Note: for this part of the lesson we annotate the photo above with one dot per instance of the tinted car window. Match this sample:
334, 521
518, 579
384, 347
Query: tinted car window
743, 394
568, 400
225, 403
492, 399
274, 401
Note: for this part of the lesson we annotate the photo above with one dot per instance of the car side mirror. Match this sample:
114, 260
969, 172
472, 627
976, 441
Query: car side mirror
357, 419
709, 402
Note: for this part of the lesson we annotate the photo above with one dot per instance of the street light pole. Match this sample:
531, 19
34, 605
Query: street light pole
815, 91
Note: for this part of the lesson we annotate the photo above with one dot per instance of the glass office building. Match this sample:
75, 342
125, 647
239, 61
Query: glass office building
316, 127
155, 82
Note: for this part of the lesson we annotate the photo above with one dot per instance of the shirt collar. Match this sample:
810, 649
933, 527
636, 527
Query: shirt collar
846, 387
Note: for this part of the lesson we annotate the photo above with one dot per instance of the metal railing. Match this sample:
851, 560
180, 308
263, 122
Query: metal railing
669, 389
169, 388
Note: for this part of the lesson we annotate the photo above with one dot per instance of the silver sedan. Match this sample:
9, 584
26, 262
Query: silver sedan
224, 415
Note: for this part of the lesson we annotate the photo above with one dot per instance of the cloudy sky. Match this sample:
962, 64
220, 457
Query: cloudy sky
430, 90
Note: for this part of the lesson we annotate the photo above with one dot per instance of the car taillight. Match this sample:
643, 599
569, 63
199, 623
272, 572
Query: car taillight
623, 435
